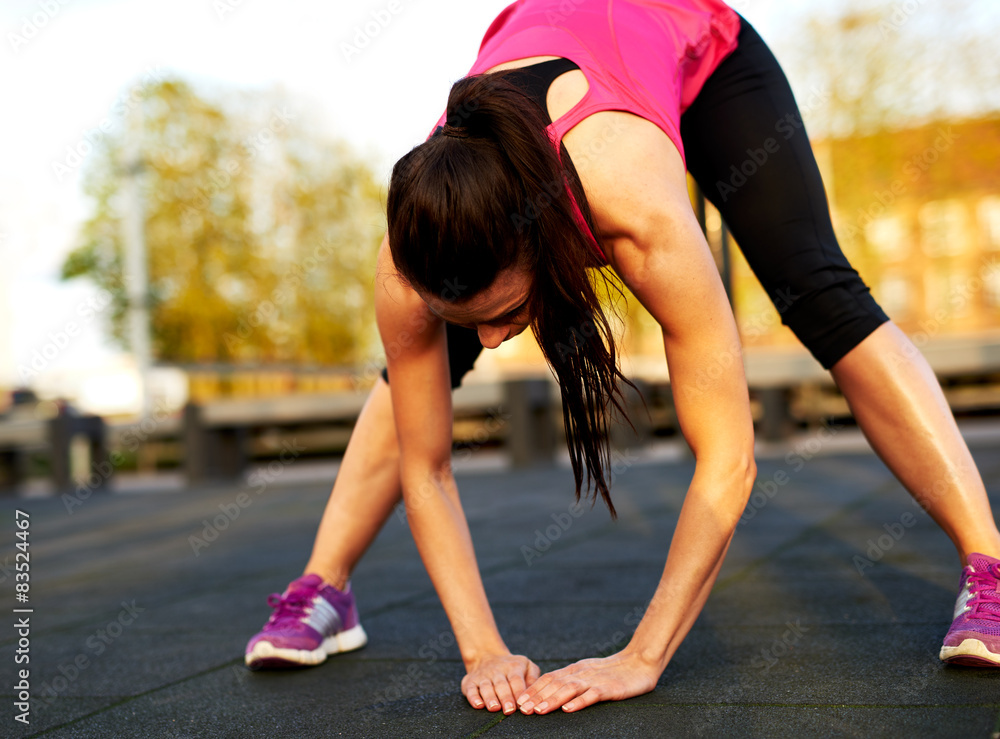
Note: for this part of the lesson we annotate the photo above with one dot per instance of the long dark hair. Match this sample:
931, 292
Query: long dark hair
489, 192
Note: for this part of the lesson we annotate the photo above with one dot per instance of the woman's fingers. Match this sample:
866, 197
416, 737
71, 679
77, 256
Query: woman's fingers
533, 674
587, 682
589, 698
472, 694
495, 684
557, 693
506, 692
517, 686
550, 692
489, 689
542, 686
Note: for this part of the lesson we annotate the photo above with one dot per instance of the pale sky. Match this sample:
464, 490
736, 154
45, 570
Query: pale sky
65, 65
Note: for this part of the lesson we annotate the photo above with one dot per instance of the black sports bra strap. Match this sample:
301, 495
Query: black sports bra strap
535, 79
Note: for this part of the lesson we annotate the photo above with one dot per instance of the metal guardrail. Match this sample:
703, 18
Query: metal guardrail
23, 432
21, 438
948, 356
217, 437
774, 376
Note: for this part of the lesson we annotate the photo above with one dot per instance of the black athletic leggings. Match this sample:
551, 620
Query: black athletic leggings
748, 151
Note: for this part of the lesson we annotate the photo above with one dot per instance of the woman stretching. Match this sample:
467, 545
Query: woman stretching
562, 152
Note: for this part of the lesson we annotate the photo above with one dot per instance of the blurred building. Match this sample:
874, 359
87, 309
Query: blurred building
917, 212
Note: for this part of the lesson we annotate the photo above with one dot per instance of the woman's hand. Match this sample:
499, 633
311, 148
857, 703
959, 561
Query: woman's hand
494, 682
581, 684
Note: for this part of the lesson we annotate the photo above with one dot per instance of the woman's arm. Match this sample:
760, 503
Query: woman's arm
417, 357
638, 193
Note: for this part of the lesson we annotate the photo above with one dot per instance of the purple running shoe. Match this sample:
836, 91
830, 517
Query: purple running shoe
310, 621
974, 636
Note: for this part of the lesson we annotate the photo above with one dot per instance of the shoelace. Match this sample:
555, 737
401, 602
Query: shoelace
984, 593
291, 607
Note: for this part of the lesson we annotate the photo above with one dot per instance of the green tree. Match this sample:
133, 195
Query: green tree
260, 237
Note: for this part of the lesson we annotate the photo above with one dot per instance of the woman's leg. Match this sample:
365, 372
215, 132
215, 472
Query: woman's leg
899, 405
311, 620
364, 494
367, 486
747, 148
317, 616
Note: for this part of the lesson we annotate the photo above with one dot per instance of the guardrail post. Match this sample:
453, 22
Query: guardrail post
621, 434
13, 469
531, 438
776, 422
62, 429
209, 452
194, 444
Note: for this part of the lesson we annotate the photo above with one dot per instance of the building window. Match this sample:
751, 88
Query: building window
893, 294
888, 236
991, 287
946, 292
989, 221
942, 228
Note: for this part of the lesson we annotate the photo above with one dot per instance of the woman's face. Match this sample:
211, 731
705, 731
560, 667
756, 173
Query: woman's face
497, 313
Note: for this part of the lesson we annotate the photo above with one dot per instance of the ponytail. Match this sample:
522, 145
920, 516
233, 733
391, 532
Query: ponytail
489, 192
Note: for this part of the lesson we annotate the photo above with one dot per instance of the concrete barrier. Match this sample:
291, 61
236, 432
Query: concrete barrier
22, 437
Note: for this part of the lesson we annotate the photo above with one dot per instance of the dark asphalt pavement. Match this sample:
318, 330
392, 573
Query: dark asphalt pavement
140, 614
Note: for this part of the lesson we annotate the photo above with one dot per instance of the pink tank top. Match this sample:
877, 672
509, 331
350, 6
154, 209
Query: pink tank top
646, 57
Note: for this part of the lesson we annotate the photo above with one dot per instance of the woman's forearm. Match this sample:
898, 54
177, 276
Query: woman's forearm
441, 533
707, 521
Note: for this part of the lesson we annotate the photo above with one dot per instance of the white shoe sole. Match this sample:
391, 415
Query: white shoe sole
345, 641
970, 652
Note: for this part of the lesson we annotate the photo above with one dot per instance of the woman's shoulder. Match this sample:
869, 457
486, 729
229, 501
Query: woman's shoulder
630, 170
